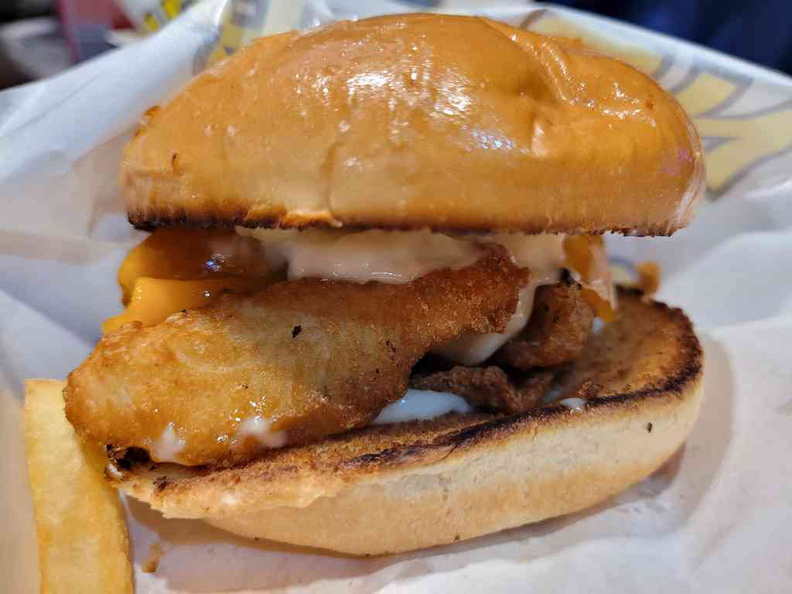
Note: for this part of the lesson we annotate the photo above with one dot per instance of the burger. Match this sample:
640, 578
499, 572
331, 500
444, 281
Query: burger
375, 312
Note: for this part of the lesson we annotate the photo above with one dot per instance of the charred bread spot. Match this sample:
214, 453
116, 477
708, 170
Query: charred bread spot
387, 456
145, 120
149, 114
127, 458
296, 331
150, 219
161, 483
219, 220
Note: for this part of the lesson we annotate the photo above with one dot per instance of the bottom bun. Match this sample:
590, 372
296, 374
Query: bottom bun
394, 488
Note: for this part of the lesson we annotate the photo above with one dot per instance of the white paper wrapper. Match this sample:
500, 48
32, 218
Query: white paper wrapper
718, 517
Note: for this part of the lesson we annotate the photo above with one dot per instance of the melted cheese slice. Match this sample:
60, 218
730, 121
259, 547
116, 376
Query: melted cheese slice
587, 261
176, 269
154, 299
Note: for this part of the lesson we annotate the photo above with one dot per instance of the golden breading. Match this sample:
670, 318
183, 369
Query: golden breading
559, 327
298, 361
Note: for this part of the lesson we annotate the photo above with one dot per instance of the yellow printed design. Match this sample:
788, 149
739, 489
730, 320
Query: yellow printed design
740, 141
242, 22
151, 22
160, 15
171, 8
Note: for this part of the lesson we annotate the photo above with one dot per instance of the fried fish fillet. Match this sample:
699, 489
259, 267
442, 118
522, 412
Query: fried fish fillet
557, 331
298, 361
555, 334
491, 387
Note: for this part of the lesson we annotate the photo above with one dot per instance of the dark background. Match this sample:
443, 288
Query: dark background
12, 10
17, 9
759, 31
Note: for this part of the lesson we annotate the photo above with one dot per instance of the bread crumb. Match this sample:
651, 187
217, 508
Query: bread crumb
152, 562
648, 277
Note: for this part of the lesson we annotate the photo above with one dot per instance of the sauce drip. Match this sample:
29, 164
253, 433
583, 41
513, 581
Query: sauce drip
176, 269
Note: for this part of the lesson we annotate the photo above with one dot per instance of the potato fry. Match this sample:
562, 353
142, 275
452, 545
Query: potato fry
82, 536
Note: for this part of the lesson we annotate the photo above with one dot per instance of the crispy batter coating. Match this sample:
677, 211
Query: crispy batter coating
490, 387
300, 360
559, 327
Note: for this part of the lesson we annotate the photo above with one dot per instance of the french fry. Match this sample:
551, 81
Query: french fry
82, 537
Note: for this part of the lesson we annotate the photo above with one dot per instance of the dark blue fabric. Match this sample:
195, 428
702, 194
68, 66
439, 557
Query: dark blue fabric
758, 31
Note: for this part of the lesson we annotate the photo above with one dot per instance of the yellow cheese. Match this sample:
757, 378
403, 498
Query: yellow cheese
586, 258
176, 269
154, 299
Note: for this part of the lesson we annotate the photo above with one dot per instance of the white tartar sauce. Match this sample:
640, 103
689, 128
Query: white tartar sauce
168, 446
403, 256
421, 405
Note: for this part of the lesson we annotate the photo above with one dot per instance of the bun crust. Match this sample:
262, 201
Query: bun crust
393, 488
448, 122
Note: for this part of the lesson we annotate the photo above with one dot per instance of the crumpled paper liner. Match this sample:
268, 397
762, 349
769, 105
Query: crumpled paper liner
717, 517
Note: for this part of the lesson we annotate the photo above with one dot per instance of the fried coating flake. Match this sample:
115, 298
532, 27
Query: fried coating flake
557, 331
490, 387
298, 361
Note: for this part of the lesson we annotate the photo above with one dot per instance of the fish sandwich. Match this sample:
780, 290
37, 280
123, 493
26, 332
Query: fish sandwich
375, 313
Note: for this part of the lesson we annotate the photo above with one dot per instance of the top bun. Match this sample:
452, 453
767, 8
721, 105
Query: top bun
447, 122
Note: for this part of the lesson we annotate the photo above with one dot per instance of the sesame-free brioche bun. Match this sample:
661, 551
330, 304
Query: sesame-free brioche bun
392, 488
448, 122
